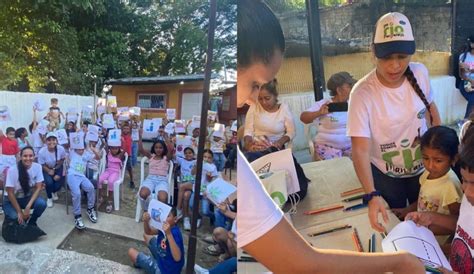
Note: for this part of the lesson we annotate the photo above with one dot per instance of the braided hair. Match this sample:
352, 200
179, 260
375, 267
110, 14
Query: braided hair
414, 83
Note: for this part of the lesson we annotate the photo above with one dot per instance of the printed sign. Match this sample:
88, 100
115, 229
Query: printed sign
76, 140
182, 142
211, 115
62, 136
171, 113
158, 214
219, 190
114, 139
108, 121
111, 101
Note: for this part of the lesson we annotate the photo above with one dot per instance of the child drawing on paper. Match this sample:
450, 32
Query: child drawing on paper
440, 189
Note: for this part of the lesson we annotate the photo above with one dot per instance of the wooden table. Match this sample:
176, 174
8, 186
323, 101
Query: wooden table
328, 180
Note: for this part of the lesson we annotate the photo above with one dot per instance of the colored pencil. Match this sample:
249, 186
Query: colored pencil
373, 243
350, 199
324, 209
354, 207
351, 192
355, 237
432, 270
383, 234
329, 230
370, 245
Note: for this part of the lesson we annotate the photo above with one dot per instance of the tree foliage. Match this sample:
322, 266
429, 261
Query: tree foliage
61, 46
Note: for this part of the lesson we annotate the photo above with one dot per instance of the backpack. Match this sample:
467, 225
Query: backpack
13, 232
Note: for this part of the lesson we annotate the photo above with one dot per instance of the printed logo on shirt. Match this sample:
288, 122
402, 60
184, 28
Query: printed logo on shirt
425, 204
461, 257
421, 114
409, 153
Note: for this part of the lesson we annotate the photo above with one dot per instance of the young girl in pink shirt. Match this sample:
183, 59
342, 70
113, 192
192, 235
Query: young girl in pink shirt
111, 174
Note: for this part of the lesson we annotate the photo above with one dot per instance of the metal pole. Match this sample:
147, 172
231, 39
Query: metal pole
95, 102
314, 33
202, 137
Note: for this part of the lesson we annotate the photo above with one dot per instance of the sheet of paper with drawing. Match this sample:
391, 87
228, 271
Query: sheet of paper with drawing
417, 240
158, 213
280, 160
219, 190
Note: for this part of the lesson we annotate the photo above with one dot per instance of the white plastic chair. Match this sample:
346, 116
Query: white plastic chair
118, 183
170, 178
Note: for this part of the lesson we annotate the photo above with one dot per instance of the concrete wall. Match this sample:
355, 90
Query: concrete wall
128, 96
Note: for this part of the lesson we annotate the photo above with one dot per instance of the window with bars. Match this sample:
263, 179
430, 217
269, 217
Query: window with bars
152, 101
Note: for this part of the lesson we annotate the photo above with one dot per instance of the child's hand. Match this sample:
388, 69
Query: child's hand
166, 228
400, 212
51, 172
420, 218
223, 207
56, 178
146, 217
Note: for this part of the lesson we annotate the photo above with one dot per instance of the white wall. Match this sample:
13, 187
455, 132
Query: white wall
20, 105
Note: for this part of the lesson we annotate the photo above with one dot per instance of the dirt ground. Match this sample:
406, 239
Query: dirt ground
127, 209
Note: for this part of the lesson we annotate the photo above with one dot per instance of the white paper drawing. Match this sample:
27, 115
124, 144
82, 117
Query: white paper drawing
158, 213
149, 126
108, 121
4, 114
169, 128
179, 126
183, 142
71, 117
87, 112
219, 190
76, 140
39, 104
92, 136
62, 136
280, 160
196, 122
42, 126
171, 113
93, 128
135, 111
114, 138
124, 113
419, 241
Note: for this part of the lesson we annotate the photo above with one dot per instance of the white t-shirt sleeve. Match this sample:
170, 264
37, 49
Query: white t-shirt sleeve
12, 177
257, 213
38, 173
317, 105
358, 114
249, 120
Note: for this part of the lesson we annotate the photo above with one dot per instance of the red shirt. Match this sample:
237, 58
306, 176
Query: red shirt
127, 144
9, 147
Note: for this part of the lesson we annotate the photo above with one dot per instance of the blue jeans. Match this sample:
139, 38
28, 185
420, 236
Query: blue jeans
469, 96
53, 186
39, 206
148, 263
228, 266
220, 220
205, 206
219, 160
134, 153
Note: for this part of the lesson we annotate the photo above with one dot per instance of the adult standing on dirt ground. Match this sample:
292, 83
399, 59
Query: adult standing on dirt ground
262, 230
389, 109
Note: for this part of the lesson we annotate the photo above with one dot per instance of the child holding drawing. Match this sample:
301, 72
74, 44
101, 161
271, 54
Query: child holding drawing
462, 250
167, 248
186, 165
440, 189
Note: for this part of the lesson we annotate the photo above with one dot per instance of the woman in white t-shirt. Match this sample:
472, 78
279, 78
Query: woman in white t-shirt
466, 74
262, 230
389, 109
268, 123
23, 185
51, 157
331, 140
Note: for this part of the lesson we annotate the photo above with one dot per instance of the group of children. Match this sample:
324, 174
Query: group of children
77, 162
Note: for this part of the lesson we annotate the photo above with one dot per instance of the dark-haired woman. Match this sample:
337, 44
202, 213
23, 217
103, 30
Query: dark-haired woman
51, 158
389, 109
23, 185
466, 74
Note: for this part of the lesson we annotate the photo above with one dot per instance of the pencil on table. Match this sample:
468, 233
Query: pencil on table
351, 192
324, 209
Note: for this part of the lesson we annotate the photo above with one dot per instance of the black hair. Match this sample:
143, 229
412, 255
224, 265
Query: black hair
466, 156
23, 176
208, 151
19, 132
259, 33
188, 148
163, 144
10, 129
414, 83
467, 48
271, 87
30, 127
173, 210
441, 138
86, 122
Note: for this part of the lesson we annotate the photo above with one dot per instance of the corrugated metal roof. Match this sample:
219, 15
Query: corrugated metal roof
158, 79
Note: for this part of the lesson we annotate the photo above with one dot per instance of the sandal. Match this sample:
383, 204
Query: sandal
213, 250
109, 208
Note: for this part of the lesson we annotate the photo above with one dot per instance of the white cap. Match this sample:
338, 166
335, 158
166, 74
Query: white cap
51, 134
393, 35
